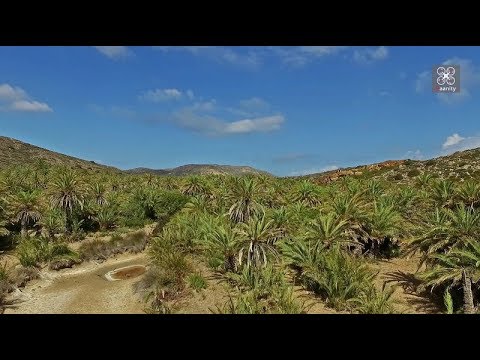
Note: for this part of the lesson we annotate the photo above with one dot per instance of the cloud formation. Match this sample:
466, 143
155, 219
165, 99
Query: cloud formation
210, 125
370, 55
114, 52
297, 56
14, 98
221, 54
160, 95
455, 142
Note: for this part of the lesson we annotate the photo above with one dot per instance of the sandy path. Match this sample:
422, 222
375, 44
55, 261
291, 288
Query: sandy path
83, 290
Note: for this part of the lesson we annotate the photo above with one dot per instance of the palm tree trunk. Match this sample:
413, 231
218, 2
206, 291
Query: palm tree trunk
467, 294
68, 221
23, 231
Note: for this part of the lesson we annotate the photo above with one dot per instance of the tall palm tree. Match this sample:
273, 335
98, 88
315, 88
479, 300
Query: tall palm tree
256, 241
68, 192
244, 195
457, 266
26, 209
98, 191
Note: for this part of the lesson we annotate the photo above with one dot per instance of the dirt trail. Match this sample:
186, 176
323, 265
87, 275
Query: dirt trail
399, 272
83, 290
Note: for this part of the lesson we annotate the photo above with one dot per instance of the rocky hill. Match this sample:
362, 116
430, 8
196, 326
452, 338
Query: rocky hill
15, 152
202, 169
459, 166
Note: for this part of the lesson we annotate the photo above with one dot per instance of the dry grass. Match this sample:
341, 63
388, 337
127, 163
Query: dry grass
98, 249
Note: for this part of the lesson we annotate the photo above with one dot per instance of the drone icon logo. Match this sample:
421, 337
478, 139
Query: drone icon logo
446, 76
446, 79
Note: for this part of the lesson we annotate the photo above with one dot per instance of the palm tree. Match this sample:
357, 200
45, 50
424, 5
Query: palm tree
374, 189
196, 206
424, 179
67, 193
457, 266
194, 185
26, 208
381, 224
443, 192
106, 218
281, 222
307, 193
469, 193
446, 230
222, 240
3, 223
98, 192
329, 229
52, 222
348, 206
243, 194
256, 240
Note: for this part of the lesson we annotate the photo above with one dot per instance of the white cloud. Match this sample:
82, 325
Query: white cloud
159, 95
414, 155
264, 124
249, 58
254, 103
469, 81
114, 52
423, 81
11, 93
205, 105
314, 170
456, 142
452, 140
14, 98
370, 55
32, 106
384, 93
302, 55
210, 125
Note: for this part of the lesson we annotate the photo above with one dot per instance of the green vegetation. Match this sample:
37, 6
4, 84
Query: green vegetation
263, 237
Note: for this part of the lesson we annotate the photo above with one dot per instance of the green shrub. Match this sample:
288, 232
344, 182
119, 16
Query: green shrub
413, 173
35, 251
197, 281
396, 177
332, 273
371, 301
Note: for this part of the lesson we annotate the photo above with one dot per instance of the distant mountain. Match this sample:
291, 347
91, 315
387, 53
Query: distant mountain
201, 169
461, 165
15, 152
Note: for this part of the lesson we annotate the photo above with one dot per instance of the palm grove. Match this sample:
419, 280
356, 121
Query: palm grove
263, 236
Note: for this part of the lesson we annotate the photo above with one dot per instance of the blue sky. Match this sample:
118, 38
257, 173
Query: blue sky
287, 110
